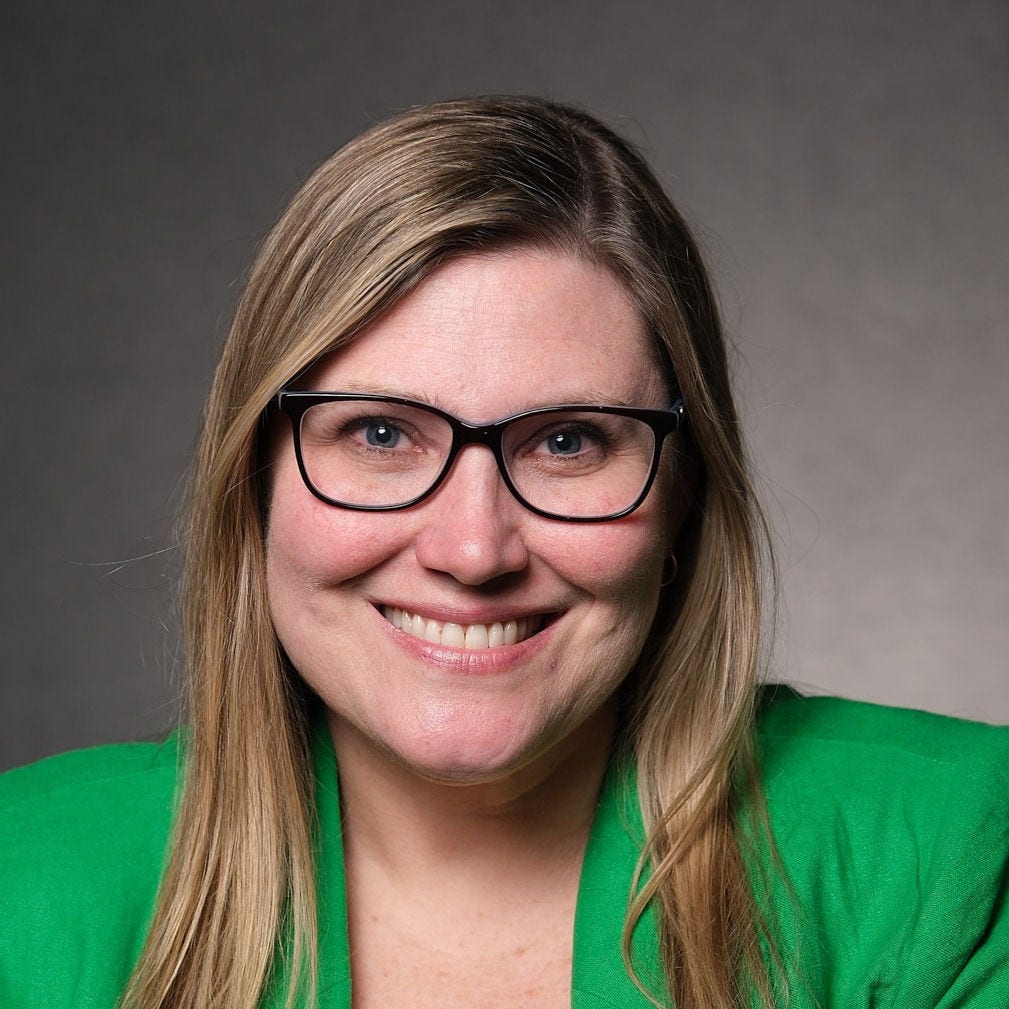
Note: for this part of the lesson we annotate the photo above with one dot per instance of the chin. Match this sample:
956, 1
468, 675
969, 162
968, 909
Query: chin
477, 757
482, 746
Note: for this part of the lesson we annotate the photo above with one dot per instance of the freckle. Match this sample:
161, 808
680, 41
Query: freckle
520, 951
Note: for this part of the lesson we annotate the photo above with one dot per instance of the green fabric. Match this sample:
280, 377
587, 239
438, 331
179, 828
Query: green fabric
82, 840
892, 829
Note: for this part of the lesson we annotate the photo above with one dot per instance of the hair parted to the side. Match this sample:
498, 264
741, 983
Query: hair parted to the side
236, 908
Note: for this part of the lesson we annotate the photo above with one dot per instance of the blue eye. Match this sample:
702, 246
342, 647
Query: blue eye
565, 443
382, 435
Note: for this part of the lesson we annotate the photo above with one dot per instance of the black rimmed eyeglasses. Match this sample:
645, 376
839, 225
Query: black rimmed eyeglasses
578, 463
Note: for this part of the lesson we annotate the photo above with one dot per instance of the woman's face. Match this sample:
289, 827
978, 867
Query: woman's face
484, 337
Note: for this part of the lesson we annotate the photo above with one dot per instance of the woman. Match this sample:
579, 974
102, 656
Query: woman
471, 521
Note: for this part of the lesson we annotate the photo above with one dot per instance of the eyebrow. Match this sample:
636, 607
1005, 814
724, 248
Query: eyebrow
585, 397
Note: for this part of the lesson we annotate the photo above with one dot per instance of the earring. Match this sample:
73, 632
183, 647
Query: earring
671, 567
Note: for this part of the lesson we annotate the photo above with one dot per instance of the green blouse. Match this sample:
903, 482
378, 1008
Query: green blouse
889, 889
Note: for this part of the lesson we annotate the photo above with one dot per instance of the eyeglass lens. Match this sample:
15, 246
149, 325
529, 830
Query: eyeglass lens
381, 454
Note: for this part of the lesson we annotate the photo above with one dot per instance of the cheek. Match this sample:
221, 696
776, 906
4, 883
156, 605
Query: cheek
618, 563
313, 544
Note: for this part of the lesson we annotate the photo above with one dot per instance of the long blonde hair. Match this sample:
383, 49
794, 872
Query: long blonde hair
236, 904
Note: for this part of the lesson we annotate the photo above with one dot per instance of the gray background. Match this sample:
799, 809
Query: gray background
846, 164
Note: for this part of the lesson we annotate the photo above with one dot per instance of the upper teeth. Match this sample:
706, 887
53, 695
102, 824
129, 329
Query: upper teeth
508, 632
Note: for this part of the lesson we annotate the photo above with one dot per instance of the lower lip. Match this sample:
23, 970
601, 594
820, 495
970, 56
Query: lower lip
471, 661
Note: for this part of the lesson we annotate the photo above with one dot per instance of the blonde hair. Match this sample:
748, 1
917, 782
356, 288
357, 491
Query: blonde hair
236, 907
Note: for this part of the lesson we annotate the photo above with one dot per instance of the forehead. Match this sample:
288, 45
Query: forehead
492, 334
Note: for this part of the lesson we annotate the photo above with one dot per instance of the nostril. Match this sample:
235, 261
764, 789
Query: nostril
472, 552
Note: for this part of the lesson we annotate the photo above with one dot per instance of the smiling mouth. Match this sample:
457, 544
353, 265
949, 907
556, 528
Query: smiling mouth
465, 636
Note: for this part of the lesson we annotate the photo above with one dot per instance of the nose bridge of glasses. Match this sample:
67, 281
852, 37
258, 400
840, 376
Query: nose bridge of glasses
489, 436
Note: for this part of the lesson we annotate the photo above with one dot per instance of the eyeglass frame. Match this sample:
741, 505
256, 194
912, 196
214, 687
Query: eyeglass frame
295, 403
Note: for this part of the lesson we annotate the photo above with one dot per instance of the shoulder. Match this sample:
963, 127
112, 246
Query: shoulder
802, 736
863, 760
83, 837
79, 808
789, 720
892, 831
65, 779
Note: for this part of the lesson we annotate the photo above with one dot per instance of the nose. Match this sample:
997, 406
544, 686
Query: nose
472, 525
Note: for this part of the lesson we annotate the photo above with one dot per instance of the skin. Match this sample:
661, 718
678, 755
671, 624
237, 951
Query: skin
458, 766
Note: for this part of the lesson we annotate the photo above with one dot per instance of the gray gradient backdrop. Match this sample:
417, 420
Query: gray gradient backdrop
846, 164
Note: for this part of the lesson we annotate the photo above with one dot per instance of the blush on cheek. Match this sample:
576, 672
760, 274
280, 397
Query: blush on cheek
613, 558
327, 544
338, 553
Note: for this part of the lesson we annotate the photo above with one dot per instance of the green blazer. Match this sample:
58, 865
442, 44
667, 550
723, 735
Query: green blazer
891, 887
